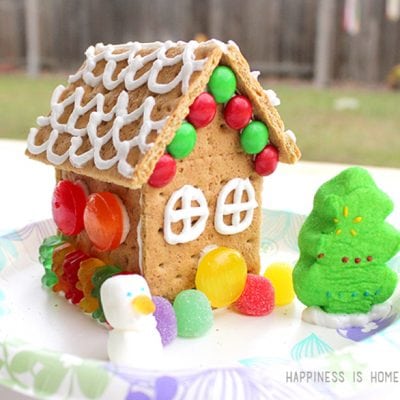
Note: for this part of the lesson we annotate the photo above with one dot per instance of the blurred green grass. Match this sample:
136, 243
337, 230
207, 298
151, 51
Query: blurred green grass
369, 134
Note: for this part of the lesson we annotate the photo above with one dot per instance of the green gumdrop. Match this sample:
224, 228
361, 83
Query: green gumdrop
46, 250
193, 313
98, 278
184, 141
254, 137
345, 244
49, 279
222, 84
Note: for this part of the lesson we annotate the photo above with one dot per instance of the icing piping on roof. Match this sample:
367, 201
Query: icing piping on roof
119, 113
120, 116
100, 52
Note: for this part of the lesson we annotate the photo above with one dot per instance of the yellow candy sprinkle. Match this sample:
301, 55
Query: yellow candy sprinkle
221, 276
280, 275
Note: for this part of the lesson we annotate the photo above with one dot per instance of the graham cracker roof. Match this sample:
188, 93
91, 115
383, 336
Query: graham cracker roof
121, 109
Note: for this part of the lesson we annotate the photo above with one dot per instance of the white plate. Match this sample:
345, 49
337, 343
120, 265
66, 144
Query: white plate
48, 348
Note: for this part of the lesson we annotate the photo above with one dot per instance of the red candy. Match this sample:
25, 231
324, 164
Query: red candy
71, 265
238, 112
69, 201
164, 172
266, 161
105, 220
257, 298
203, 110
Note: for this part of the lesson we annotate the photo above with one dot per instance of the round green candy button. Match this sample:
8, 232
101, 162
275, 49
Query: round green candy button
254, 137
183, 142
222, 84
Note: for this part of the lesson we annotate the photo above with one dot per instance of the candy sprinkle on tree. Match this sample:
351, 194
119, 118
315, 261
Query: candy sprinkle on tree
345, 244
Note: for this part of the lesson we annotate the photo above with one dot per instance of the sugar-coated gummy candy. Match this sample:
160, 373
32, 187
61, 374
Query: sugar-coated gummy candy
203, 110
280, 275
166, 320
193, 312
105, 220
87, 269
183, 142
68, 204
222, 84
221, 275
257, 297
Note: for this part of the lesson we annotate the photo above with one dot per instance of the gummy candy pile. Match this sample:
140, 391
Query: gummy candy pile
238, 115
221, 281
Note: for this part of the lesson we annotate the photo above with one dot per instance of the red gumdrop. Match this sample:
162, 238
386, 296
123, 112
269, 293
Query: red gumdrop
71, 265
68, 205
203, 110
257, 298
164, 172
266, 161
238, 112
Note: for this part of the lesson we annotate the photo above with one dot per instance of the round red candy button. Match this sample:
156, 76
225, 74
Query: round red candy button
164, 172
68, 205
238, 112
203, 110
266, 161
106, 220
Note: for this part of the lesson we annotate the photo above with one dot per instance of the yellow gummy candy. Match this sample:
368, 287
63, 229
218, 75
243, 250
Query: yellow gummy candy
221, 276
59, 253
280, 275
85, 273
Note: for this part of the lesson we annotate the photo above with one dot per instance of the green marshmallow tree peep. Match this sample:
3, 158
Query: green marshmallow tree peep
345, 245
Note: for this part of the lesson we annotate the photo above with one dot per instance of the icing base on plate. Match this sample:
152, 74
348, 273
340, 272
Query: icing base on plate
315, 315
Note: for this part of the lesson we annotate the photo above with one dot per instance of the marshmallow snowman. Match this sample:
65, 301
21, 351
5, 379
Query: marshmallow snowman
134, 340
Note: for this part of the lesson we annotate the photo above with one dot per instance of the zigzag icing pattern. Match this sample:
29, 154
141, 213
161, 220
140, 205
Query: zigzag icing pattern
119, 113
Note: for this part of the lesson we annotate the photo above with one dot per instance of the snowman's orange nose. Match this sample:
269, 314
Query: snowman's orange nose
143, 305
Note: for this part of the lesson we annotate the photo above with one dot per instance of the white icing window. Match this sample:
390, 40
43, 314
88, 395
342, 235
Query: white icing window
187, 208
240, 189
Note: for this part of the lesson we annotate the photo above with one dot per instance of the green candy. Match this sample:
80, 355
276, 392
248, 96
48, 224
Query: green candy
46, 250
345, 244
98, 278
184, 141
222, 84
193, 313
49, 279
254, 137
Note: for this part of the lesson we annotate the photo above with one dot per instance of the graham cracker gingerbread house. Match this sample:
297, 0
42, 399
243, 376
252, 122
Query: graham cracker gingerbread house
149, 136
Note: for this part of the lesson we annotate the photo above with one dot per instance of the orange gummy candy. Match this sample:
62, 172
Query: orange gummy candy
86, 271
58, 259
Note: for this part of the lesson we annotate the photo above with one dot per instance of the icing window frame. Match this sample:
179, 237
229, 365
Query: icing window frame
190, 231
238, 186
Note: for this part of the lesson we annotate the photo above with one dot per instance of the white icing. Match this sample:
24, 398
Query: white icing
134, 340
119, 114
186, 195
255, 74
238, 186
316, 316
273, 97
291, 135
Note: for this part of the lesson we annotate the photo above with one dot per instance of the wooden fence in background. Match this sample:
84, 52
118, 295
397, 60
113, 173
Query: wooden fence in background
277, 36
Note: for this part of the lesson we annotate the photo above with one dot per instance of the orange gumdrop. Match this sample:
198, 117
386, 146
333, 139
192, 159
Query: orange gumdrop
86, 271
58, 259
105, 220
